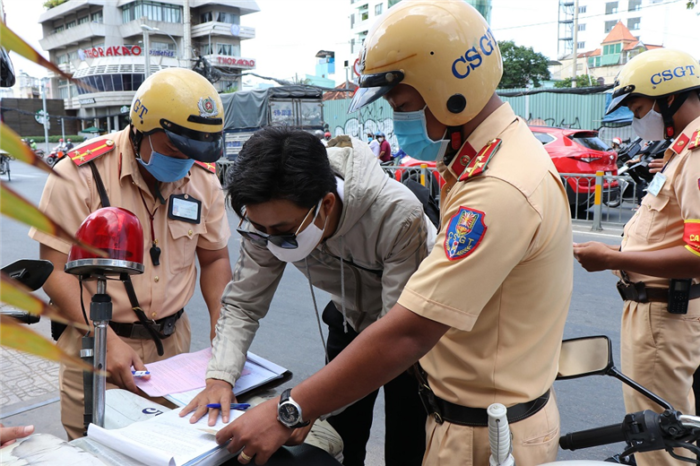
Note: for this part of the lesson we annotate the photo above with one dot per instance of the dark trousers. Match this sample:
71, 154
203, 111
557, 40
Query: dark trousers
404, 443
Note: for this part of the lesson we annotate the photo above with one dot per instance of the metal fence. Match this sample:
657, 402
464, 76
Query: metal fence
597, 199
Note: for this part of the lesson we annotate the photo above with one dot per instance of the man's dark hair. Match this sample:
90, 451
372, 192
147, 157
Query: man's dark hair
279, 163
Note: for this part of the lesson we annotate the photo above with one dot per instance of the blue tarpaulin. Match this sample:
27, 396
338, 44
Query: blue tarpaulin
621, 116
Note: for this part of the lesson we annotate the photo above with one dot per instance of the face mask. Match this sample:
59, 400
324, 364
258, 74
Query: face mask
369, 139
650, 127
411, 130
307, 240
166, 169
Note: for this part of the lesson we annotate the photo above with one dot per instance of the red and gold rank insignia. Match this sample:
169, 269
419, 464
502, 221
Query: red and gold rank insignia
694, 141
90, 151
691, 236
462, 159
210, 167
478, 164
464, 233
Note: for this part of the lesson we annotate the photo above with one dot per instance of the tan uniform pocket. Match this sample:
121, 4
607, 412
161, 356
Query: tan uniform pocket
651, 223
181, 251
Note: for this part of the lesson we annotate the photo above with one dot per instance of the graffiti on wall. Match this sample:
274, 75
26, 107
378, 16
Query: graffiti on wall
372, 118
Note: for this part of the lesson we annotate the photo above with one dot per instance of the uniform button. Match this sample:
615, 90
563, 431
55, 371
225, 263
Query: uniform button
154, 315
156, 279
189, 233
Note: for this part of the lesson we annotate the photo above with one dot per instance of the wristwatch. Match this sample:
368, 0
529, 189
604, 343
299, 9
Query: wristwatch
289, 411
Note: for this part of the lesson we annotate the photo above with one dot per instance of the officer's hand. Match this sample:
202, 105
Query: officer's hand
120, 359
594, 256
299, 435
216, 391
8, 435
656, 165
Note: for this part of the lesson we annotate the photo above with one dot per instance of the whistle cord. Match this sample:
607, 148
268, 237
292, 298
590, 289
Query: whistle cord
155, 250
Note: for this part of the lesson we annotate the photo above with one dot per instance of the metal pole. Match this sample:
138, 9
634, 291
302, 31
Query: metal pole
597, 203
423, 169
573, 79
47, 151
63, 130
100, 314
147, 52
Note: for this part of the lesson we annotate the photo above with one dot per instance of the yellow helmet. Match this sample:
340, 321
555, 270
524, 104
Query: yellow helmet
444, 49
184, 105
655, 74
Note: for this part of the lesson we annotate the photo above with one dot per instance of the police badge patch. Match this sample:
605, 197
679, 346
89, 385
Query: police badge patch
207, 107
464, 233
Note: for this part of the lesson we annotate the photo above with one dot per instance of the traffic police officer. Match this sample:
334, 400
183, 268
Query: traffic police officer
659, 260
485, 311
147, 168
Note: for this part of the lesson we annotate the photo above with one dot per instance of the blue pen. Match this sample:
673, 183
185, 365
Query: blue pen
140, 373
236, 406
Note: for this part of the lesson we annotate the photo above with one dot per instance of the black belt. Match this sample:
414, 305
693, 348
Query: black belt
640, 293
164, 327
477, 417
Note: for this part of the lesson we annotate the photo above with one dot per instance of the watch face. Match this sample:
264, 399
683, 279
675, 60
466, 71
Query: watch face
288, 413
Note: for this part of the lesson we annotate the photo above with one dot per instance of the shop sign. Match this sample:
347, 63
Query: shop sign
87, 101
237, 62
113, 51
124, 109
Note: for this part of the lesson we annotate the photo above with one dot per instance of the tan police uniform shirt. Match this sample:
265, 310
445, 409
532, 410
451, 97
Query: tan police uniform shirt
161, 290
505, 287
671, 217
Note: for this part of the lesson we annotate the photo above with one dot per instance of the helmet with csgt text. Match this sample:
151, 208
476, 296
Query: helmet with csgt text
184, 105
443, 49
655, 74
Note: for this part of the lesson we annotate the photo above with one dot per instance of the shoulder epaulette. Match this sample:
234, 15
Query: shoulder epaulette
90, 151
478, 164
210, 167
694, 141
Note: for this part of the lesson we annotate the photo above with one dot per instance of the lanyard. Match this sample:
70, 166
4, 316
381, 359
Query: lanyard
155, 250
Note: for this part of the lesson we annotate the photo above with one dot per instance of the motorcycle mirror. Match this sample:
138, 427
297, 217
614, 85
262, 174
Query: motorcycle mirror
29, 272
585, 356
7, 71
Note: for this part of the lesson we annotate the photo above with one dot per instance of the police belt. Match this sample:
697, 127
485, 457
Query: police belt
443, 410
163, 327
640, 293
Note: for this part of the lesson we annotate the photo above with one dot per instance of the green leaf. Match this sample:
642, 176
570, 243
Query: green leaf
11, 143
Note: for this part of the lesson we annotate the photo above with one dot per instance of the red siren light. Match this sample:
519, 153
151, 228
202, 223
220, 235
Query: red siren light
114, 230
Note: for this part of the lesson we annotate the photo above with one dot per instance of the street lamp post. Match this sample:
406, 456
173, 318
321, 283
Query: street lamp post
46, 117
147, 48
148, 29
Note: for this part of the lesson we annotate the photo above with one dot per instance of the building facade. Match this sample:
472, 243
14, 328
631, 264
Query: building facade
662, 22
101, 43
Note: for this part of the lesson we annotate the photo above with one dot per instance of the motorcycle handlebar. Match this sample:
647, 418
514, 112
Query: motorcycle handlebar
593, 437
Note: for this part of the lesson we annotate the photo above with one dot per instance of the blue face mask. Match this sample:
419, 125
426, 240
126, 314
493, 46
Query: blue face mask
411, 131
166, 169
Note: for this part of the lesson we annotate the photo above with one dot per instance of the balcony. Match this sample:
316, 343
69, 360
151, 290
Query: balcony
231, 62
72, 36
133, 28
216, 28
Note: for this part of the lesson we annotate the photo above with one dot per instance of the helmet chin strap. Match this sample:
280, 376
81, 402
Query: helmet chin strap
667, 112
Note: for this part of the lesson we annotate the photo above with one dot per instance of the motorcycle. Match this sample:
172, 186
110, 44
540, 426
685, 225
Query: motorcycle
57, 153
5, 165
32, 274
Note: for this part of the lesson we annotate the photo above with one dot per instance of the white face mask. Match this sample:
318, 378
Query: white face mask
650, 127
307, 240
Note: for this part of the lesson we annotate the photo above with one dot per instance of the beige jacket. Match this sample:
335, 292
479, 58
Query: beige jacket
382, 237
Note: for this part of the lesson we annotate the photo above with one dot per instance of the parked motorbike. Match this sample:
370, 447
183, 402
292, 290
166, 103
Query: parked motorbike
32, 274
633, 168
5, 166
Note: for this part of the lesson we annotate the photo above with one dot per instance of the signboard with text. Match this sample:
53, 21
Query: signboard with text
121, 51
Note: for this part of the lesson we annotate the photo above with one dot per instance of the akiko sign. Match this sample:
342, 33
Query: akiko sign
121, 51
237, 62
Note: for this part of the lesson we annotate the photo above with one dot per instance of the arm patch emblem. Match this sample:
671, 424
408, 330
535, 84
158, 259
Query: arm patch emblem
464, 233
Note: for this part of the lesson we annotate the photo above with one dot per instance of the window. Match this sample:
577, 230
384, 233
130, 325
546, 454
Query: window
155, 11
581, 9
634, 5
633, 24
581, 27
611, 8
581, 45
73, 55
84, 19
205, 49
609, 25
378, 9
206, 17
393, 2
352, 22
544, 138
229, 18
230, 50
162, 45
71, 24
58, 29
96, 17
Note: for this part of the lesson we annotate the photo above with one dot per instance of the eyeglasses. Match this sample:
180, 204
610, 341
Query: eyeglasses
286, 241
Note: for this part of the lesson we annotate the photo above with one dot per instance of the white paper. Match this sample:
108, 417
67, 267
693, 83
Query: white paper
165, 440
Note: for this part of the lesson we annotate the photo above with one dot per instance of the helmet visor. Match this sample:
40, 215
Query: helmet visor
374, 86
197, 145
618, 98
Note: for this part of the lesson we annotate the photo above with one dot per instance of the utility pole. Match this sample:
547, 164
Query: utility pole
146, 48
46, 118
575, 47
187, 33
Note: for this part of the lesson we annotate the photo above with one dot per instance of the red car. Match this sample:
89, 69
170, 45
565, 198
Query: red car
573, 151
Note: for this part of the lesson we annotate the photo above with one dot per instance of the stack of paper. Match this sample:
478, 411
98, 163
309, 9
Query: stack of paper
180, 378
167, 440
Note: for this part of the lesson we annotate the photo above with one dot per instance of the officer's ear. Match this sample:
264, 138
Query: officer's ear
328, 203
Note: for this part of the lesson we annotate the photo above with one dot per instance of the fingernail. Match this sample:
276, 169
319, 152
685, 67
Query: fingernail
28, 430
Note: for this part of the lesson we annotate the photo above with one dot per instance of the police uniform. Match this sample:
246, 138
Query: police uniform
501, 276
660, 350
162, 290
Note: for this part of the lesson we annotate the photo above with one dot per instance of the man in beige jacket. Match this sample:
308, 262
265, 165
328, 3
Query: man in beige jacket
355, 233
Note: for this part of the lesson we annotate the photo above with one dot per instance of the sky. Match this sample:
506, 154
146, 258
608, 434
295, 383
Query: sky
290, 32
